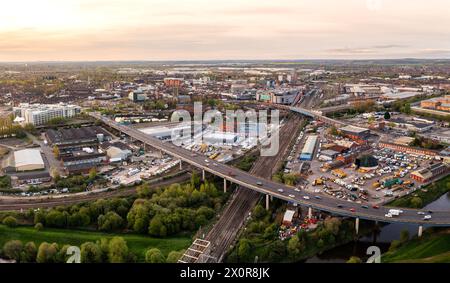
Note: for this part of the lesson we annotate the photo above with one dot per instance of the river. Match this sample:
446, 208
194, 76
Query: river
382, 239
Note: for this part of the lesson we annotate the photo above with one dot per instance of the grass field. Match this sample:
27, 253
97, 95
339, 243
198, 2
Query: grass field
138, 244
433, 248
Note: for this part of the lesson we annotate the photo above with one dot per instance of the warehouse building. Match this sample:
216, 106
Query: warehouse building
308, 149
355, 133
428, 174
24, 160
77, 138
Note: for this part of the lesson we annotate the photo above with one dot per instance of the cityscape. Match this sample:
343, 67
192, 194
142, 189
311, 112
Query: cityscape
231, 157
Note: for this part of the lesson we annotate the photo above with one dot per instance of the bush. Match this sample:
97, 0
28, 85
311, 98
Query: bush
154, 256
13, 250
10, 221
39, 226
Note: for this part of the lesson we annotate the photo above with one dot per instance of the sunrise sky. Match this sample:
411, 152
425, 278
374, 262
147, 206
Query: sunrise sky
76, 30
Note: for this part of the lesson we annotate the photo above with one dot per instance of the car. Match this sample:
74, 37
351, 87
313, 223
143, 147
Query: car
193, 155
291, 196
420, 213
388, 215
427, 217
215, 164
206, 160
306, 198
297, 190
430, 212
352, 210
281, 191
340, 206
375, 207
259, 183
318, 197
365, 206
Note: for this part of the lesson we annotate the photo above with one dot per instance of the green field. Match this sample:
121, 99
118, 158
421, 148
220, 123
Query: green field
138, 244
433, 248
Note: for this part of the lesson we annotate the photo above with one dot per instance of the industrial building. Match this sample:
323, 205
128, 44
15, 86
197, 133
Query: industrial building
355, 133
76, 138
24, 160
432, 172
220, 138
40, 114
117, 151
281, 96
308, 149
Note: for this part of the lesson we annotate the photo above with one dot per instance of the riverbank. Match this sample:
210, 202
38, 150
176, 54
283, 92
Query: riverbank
422, 198
433, 247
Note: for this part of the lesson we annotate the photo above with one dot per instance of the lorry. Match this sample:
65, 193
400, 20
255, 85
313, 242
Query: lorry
395, 212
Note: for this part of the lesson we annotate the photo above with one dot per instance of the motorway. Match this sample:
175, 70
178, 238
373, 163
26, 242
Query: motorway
278, 190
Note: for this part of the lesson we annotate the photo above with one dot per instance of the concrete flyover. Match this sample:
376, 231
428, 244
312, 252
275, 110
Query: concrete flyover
278, 190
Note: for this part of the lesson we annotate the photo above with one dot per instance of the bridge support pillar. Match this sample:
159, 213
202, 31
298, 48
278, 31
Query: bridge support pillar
181, 165
357, 226
310, 212
419, 234
267, 202
203, 175
225, 186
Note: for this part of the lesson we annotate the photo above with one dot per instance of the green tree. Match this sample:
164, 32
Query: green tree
38, 226
387, 115
47, 253
395, 244
354, 259
13, 250
174, 256
91, 253
110, 222
154, 256
56, 151
157, 228
244, 249
56, 218
29, 252
117, 250
10, 221
416, 202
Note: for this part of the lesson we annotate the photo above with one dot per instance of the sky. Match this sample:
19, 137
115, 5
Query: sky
97, 30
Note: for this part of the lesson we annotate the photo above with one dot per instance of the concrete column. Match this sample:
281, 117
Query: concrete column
225, 186
203, 175
357, 226
181, 165
310, 212
420, 231
267, 202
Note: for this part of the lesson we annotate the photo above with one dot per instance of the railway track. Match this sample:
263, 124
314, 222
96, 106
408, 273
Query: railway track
224, 232
16, 204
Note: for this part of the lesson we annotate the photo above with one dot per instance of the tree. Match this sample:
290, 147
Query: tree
290, 179
395, 244
387, 115
38, 226
92, 173
320, 244
13, 250
10, 221
154, 256
91, 253
157, 228
295, 247
416, 202
117, 250
47, 253
56, 218
29, 252
244, 249
110, 222
144, 191
56, 151
259, 212
354, 259
332, 225
174, 256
